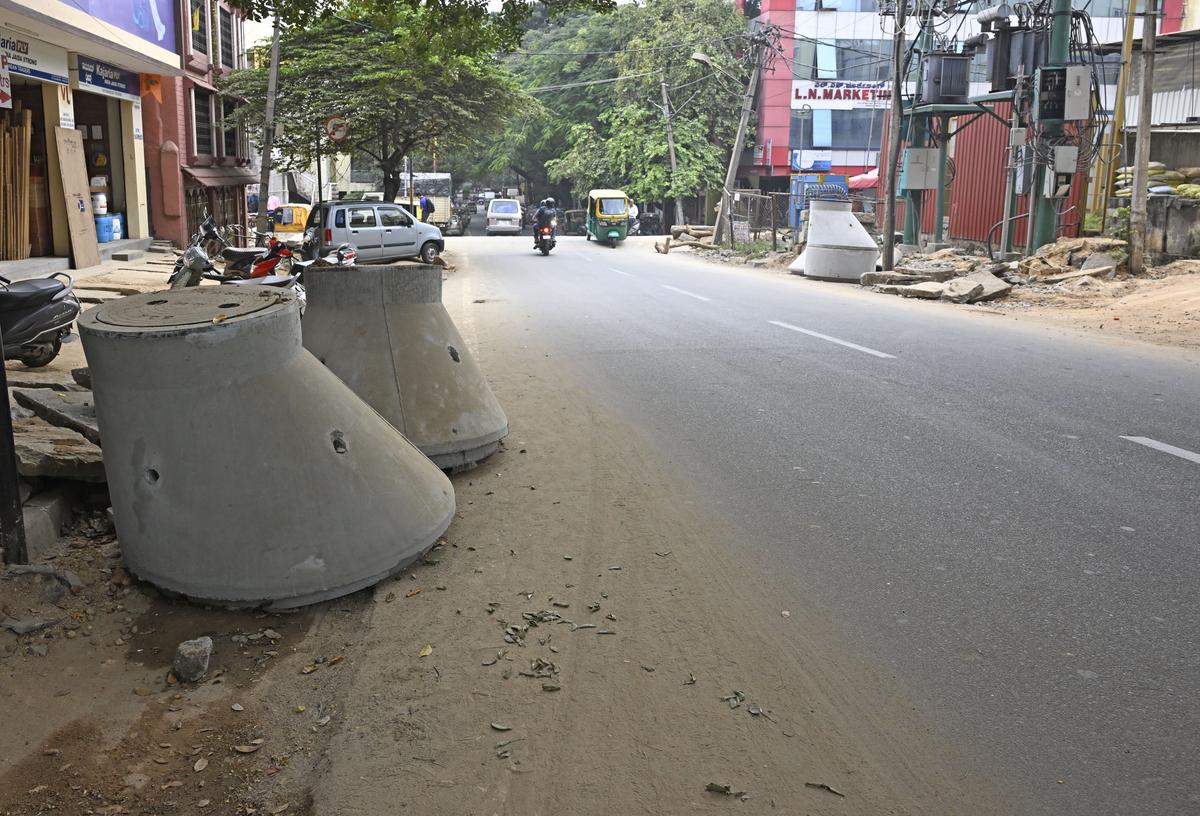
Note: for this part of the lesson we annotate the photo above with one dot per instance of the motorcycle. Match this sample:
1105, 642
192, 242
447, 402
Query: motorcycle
545, 238
35, 316
194, 265
346, 254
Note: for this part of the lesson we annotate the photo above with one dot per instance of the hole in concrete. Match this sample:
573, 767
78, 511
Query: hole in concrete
226, 305
339, 442
454, 354
152, 476
155, 302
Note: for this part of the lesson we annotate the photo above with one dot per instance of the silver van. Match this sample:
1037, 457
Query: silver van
380, 231
504, 216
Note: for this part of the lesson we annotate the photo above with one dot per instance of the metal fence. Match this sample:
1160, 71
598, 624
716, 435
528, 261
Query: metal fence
779, 218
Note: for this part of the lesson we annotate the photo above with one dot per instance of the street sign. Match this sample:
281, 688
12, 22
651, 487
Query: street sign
5, 83
337, 128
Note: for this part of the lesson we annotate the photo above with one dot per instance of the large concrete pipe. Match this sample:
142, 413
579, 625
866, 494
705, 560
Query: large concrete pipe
384, 331
839, 247
240, 469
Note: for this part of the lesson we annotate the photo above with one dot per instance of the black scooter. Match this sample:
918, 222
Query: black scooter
35, 316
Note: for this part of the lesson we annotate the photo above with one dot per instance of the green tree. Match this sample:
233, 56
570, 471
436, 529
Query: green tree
597, 81
407, 82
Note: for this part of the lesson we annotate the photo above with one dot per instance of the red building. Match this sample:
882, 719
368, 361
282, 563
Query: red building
196, 165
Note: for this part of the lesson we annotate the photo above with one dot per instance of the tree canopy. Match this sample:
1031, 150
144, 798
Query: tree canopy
599, 119
406, 81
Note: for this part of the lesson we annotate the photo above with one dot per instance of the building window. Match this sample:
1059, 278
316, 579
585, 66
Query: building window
199, 10
860, 129
837, 5
842, 59
226, 38
230, 129
203, 118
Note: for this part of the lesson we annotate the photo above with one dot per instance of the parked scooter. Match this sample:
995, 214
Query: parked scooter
545, 238
35, 316
194, 265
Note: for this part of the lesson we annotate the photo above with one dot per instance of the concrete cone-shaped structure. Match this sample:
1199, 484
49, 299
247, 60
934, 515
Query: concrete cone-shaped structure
240, 469
839, 246
384, 331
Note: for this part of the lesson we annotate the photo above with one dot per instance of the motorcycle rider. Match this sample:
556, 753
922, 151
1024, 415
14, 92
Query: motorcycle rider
542, 217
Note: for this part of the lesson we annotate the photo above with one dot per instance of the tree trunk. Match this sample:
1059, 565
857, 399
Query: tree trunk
391, 183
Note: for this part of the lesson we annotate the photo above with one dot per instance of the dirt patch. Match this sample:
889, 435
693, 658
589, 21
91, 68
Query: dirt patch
1163, 308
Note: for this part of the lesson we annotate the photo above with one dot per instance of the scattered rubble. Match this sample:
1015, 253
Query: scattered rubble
191, 659
957, 276
45, 450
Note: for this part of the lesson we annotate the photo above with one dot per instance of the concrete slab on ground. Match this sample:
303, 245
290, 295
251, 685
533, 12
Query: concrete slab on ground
45, 450
75, 410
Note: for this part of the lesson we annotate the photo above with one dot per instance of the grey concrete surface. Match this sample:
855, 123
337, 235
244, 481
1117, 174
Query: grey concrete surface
382, 329
951, 491
240, 469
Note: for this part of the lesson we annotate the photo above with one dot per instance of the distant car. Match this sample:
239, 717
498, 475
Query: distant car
380, 231
503, 217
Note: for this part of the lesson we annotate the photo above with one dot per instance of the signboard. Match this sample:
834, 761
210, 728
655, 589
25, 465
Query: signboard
840, 94
5, 83
34, 58
337, 128
815, 160
150, 20
106, 80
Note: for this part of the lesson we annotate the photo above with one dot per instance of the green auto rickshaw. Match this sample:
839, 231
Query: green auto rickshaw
607, 216
574, 222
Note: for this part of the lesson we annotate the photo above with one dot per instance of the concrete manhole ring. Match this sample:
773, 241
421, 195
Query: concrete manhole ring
197, 306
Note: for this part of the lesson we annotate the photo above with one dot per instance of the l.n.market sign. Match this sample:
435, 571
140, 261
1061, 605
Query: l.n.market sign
840, 94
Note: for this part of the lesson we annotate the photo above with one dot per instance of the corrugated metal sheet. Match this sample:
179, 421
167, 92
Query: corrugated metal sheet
979, 168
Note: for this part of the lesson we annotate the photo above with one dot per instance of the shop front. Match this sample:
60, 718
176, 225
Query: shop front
79, 69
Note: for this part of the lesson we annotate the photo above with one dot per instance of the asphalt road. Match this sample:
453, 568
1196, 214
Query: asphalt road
958, 493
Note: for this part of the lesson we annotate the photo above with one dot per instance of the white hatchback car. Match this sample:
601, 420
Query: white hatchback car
503, 216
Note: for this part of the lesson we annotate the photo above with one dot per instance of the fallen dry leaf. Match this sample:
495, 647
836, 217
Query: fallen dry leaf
426, 650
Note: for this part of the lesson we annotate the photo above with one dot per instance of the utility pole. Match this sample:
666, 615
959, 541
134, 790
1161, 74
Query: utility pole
12, 517
319, 197
1118, 124
671, 149
739, 143
1044, 221
1141, 149
264, 173
918, 127
893, 140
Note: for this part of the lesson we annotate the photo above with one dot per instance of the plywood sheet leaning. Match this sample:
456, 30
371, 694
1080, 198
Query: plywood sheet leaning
85, 251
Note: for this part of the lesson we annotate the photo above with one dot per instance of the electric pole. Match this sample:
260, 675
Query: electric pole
1118, 124
671, 149
1045, 218
893, 140
1141, 149
739, 142
264, 173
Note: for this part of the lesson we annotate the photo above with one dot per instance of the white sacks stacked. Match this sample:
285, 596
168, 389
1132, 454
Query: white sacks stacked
240, 469
384, 332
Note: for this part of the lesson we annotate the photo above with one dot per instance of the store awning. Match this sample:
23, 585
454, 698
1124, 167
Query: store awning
222, 176
864, 181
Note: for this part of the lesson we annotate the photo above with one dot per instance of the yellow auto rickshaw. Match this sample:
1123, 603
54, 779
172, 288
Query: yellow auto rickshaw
607, 216
290, 218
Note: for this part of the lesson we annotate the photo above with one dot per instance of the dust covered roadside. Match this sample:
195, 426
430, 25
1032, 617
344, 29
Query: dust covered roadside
583, 640
587, 641
1162, 308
